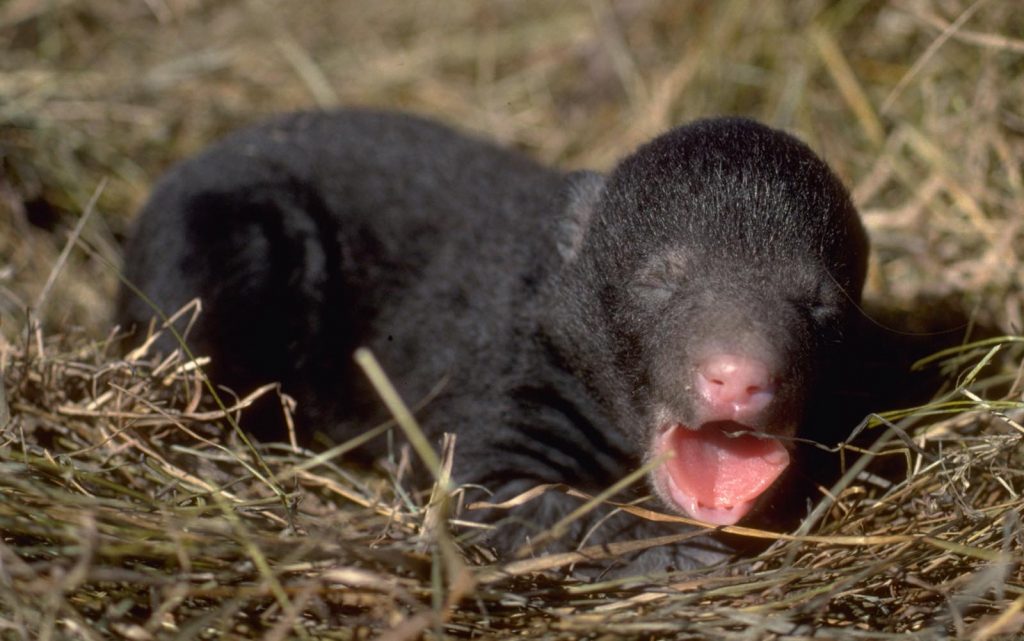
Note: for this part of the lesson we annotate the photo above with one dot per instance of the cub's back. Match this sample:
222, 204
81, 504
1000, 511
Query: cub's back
315, 233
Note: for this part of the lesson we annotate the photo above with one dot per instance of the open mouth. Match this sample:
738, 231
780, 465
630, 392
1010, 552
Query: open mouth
717, 472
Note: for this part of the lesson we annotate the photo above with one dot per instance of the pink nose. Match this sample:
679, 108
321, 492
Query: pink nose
734, 387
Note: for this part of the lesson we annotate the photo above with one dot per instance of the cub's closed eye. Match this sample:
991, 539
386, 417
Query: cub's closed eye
654, 289
823, 314
661, 279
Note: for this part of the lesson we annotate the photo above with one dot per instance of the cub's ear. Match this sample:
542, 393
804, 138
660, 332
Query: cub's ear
583, 190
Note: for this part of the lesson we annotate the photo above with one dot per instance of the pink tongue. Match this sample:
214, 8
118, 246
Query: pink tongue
722, 471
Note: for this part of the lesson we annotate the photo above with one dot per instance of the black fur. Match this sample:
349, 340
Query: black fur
562, 311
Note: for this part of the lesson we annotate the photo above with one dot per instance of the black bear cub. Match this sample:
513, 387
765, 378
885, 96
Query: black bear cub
692, 304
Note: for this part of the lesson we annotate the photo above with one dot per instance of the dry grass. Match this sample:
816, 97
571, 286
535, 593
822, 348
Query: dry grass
129, 507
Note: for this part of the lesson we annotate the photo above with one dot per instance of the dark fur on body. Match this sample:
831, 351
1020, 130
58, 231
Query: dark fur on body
562, 311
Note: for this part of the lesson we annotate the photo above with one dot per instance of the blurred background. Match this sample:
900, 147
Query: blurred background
917, 104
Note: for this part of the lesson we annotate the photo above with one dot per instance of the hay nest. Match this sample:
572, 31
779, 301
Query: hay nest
132, 509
